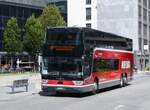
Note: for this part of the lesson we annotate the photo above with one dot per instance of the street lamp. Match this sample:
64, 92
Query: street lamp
145, 50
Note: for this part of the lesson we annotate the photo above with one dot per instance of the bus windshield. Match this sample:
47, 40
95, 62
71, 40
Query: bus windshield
61, 36
66, 68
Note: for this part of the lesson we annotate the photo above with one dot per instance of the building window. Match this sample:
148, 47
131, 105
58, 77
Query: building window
140, 28
145, 3
140, 12
145, 42
139, 1
26, 12
149, 46
13, 11
149, 4
140, 43
4, 21
0, 10
88, 13
145, 14
20, 12
149, 16
5, 10
0, 22
88, 2
1, 35
88, 25
149, 29
145, 30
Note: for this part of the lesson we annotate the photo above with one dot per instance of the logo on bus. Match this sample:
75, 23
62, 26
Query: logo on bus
125, 64
98, 55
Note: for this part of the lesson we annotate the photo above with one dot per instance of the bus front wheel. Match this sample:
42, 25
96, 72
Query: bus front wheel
96, 87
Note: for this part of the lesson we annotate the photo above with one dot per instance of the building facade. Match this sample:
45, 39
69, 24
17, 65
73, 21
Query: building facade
21, 12
128, 18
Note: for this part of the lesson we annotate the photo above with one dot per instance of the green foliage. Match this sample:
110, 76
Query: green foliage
51, 17
147, 68
12, 37
33, 38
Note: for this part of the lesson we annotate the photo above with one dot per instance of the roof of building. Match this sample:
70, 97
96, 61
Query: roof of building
21, 5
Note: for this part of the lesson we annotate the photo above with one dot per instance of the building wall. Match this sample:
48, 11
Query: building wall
144, 33
76, 13
119, 17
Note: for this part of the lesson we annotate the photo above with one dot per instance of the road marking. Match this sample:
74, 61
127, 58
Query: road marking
119, 107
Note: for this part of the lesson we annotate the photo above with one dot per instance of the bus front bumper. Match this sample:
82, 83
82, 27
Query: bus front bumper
67, 88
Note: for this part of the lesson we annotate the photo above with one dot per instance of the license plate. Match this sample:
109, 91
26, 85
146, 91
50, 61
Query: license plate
60, 89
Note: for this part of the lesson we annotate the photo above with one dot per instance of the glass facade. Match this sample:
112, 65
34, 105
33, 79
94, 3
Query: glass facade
19, 11
88, 2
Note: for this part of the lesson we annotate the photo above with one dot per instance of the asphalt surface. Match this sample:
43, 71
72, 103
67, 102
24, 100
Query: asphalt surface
136, 96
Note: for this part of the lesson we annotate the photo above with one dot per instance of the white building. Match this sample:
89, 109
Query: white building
128, 18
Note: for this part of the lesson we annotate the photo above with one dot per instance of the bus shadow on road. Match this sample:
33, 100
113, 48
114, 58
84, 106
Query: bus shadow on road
111, 88
59, 94
78, 95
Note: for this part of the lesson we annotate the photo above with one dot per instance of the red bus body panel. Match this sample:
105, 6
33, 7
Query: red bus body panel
114, 54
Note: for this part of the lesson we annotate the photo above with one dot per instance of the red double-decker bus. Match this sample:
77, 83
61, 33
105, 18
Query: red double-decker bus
76, 60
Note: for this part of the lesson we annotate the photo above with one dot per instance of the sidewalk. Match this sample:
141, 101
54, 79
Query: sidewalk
6, 81
143, 72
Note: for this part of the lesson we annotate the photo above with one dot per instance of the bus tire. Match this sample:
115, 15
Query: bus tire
96, 87
123, 81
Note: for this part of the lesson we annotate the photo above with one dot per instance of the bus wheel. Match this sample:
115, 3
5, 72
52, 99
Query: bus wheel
95, 88
123, 81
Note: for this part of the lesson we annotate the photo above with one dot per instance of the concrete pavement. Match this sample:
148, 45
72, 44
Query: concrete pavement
7, 80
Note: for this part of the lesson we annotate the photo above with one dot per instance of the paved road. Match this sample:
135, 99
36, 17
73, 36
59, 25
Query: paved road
133, 97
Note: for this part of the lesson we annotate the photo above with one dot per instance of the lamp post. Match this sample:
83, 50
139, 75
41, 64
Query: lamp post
141, 60
145, 53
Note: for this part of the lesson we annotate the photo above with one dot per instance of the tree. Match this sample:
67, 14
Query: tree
33, 38
51, 17
12, 38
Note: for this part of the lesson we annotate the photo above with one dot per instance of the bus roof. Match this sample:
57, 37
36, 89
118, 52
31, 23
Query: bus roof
97, 38
114, 50
88, 29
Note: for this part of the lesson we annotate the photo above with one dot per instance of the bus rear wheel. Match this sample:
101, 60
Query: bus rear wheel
123, 81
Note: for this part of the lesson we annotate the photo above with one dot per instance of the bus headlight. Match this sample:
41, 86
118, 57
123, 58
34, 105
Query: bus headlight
80, 73
44, 72
78, 83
